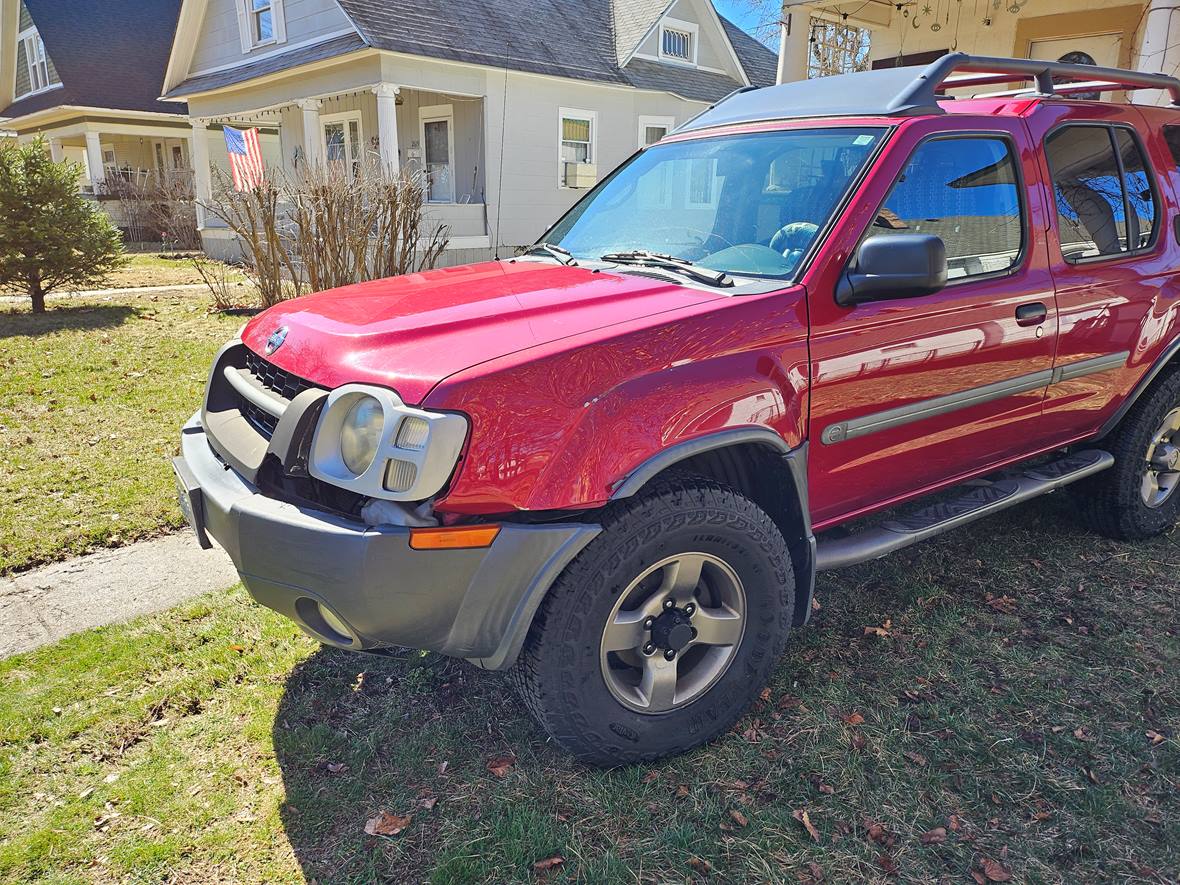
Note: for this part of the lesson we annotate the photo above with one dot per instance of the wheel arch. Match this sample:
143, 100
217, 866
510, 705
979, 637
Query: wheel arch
745, 458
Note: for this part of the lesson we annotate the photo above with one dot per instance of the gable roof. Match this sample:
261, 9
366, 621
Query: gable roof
108, 54
758, 60
580, 39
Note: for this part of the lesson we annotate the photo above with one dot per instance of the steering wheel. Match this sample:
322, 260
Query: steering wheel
791, 239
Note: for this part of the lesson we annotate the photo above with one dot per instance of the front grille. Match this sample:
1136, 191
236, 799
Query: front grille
273, 378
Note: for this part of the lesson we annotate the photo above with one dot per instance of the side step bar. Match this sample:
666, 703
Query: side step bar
975, 503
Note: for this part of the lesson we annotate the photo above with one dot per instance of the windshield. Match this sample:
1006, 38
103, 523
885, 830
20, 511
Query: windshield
747, 204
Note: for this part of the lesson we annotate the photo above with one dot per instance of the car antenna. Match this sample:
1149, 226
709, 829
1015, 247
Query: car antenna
503, 126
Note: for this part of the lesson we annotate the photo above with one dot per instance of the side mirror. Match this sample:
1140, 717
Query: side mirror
894, 266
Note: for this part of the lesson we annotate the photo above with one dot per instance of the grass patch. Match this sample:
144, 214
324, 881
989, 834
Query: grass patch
92, 396
1023, 697
145, 270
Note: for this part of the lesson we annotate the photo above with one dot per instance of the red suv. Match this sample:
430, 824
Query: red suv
611, 463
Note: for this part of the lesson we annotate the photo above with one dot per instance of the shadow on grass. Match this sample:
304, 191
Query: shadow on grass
22, 323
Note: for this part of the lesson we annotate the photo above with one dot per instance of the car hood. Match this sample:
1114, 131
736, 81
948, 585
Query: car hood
410, 332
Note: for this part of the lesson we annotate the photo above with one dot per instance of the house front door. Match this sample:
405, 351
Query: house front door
438, 147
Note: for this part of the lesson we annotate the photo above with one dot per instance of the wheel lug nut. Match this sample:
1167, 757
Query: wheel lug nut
669, 603
690, 609
670, 654
649, 648
648, 623
694, 632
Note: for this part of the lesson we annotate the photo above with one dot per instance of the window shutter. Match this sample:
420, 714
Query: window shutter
280, 21
23, 84
244, 26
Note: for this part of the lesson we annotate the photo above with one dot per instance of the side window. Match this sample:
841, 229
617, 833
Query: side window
1103, 193
966, 191
1172, 137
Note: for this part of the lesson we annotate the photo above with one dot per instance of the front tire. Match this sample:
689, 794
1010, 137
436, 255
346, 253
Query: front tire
1139, 497
661, 633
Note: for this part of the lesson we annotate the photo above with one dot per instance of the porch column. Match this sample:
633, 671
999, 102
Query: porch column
1159, 51
793, 43
387, 125
94, 158
313, 138
202, 174
55, 152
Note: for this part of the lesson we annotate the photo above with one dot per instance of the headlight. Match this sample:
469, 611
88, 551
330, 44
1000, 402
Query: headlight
370, 442
361, 434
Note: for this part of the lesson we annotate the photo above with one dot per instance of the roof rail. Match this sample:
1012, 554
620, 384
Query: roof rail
937, 75
906, 91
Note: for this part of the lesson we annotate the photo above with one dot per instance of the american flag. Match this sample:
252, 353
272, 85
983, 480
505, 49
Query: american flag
245, 158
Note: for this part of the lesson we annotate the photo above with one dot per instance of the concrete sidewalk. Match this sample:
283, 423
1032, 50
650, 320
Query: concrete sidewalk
40, 606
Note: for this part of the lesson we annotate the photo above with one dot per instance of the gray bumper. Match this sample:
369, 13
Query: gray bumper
475, 604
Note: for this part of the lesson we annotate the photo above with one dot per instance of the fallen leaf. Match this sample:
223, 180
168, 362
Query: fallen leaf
954, 823
337, 767
934, 837
858, 741
428, 802
682, 791
86, 792
548, 863
1154, 736
651, 777
1093, 778
994, 870
386, 824
442, 767
501, 765
878, 833
883, 630
700, 864
888, 864
765, 695
802, 816
817, 872
916, 758
827, 789
238, 648
979, 877
738, 818
853, 719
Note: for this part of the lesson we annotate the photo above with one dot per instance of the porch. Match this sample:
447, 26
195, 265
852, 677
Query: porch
440, 135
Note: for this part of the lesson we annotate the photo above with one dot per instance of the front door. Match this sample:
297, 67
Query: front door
438, 153
912, 393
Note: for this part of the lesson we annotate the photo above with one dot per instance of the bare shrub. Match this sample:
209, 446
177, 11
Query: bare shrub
215, 275
330, 226
156, 208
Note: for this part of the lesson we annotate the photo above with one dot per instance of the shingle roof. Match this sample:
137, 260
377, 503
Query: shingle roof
562, 38
632, 19
759, 62
108, 53
271, 64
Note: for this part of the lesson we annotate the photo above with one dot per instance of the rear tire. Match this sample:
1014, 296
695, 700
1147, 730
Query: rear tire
1139, 497
587, 673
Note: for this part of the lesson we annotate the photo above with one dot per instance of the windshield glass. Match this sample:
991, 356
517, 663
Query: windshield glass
746, 204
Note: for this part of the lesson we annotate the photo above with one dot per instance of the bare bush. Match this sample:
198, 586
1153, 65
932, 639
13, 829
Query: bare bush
215, 275
329, 226
156, 208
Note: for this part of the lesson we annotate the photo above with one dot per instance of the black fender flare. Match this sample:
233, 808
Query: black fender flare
803, 554
1161, 362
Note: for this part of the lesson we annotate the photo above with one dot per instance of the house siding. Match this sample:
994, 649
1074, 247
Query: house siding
221, 43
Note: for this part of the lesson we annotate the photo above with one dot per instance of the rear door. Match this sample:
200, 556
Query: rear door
1111, 255
911, 393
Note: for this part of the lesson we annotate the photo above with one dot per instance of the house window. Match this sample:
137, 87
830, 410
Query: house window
837, 48
578, 131
262, 23
34, 70
652, 129
678, 41
343, 140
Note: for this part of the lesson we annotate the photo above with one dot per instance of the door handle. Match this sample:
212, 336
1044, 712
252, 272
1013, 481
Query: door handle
1032, 314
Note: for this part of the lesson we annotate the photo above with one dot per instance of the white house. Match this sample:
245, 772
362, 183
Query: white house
86, 74
513, 114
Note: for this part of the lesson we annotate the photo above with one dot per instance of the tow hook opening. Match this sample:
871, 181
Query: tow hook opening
325, 623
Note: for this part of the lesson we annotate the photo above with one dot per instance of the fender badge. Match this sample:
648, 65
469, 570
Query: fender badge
276, 339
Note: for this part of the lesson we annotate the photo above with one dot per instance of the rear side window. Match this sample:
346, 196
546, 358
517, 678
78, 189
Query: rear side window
1105, 200
966, 191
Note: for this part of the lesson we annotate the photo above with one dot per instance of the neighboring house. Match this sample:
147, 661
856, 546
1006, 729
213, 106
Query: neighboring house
833, 38
512, 107
86, 74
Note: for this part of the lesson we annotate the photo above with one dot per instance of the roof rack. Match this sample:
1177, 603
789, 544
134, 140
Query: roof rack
908, 91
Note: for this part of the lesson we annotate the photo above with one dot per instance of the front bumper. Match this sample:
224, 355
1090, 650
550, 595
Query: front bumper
475, 604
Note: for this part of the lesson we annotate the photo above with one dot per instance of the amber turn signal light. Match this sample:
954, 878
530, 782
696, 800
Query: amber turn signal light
454, 537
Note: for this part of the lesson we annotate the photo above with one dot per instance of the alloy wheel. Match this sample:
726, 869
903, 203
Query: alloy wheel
1163, 462
673, 632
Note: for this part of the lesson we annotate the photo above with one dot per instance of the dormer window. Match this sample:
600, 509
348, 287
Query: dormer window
34, 71
678, 42
262, 23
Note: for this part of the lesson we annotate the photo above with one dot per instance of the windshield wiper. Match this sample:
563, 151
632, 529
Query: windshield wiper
553, 251
647, 258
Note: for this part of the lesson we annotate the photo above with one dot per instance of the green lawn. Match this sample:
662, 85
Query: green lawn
92, 397
1011, 691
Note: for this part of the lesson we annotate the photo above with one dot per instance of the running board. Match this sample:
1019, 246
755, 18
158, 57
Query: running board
975, 503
